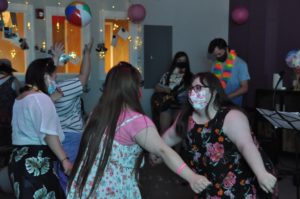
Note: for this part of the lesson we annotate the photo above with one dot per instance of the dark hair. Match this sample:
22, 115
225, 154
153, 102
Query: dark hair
35, 74
5, 67
187, 75
221, 100
218, 42
120, 89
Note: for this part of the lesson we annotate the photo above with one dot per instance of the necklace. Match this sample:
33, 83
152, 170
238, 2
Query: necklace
33, 87
224, 74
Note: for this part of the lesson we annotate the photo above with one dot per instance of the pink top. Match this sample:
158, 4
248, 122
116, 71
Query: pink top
129, 125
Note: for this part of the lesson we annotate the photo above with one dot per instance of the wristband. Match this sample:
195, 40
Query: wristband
179, 170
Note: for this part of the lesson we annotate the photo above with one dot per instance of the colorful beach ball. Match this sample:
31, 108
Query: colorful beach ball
78, 13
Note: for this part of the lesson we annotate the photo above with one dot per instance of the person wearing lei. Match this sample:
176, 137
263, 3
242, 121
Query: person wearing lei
224, 74
231, 70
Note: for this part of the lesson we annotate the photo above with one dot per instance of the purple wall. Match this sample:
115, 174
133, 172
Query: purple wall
263, 41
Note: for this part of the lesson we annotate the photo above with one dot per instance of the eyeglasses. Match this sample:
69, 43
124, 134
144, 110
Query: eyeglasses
197, 88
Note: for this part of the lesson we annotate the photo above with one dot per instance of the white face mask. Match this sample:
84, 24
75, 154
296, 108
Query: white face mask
198, 99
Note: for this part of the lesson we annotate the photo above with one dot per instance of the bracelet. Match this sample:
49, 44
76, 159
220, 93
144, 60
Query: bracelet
179, 170
66, 158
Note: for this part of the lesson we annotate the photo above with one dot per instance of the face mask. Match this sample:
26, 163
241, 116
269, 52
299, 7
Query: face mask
198, 99
181, 65
51, 85
222, 58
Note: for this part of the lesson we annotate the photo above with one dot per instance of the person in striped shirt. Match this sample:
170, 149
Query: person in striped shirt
66, 95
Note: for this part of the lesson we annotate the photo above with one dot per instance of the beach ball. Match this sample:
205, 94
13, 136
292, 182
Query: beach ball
3, 5
78, 13
136, 13
240, 14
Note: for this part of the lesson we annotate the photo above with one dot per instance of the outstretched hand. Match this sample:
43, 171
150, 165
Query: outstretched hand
199, 183
57, 50
267, 182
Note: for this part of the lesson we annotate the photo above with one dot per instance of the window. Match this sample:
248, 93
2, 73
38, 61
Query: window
118, 50
16, 37
111, 22
60, 30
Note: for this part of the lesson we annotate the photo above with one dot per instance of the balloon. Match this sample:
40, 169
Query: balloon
78, 13
3, 5
136, 13
240, 15
292, 59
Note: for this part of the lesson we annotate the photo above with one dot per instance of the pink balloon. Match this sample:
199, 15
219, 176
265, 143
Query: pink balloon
3, 5
240, 15
136, 13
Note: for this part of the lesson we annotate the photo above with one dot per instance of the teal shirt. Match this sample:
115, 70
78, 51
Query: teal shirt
239, 73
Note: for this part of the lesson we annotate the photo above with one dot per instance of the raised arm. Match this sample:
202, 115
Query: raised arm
150, 140
236, 127
85, 67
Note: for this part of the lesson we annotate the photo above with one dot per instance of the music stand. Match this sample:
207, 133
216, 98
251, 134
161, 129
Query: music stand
285, 120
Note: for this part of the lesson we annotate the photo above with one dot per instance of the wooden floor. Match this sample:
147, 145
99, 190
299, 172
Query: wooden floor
160, 183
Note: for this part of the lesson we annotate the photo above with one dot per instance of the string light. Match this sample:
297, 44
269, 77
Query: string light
28, 25
57, 26
101, 55
43, 45
13, 53
129, 38
116, 26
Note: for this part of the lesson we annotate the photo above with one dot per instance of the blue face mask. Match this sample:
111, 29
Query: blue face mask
51, 87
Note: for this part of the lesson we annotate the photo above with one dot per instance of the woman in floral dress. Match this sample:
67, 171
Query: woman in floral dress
112, 145
36, 138
217, 143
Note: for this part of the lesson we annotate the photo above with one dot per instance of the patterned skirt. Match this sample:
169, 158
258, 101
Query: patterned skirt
31, 173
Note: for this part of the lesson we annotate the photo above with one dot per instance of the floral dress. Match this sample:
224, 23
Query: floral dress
209, 152
119, 180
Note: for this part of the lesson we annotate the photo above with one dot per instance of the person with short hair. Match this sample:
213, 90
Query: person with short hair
231, 70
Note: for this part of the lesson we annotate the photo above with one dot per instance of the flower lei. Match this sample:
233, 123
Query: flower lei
224, 74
